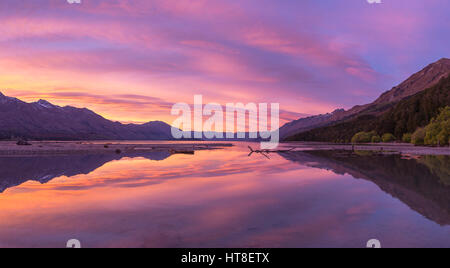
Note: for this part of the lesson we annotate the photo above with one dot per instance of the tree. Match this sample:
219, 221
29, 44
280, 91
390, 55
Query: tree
376, 139
418, 137
388, 137
403, 117
437, 132
407, 138
362, 137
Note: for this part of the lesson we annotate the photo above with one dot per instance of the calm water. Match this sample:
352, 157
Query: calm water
224, 198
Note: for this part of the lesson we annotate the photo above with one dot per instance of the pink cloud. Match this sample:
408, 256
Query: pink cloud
229, 51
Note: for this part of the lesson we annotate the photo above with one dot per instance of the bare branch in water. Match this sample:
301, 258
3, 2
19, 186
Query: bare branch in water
267, 152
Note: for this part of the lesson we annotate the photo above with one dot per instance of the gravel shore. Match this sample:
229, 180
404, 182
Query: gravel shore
400, 148
8, 148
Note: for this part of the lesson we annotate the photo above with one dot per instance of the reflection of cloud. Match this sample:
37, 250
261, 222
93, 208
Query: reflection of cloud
151, 190
143, 178
213, 199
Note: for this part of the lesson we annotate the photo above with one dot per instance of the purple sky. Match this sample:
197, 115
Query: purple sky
130, 60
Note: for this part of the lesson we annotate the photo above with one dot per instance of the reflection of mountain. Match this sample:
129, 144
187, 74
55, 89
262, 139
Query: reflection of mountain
420, 186
439, 165
17, 170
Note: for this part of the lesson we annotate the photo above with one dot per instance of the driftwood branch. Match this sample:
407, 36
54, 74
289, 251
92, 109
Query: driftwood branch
267, 152
263, 152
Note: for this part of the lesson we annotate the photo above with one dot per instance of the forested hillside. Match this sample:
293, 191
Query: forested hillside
405, 117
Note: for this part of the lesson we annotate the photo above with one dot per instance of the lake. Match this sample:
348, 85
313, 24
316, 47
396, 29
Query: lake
225, 198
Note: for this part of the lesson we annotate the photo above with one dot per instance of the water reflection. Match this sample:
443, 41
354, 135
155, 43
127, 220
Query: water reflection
224, 198
18, 170
422, 184
439, 166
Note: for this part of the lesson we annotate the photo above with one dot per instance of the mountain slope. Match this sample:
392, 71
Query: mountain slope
426, 78
308, 123
405, 117
43, 120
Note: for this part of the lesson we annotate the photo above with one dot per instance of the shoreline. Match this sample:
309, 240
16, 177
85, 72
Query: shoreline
10, 148
387, 148
38, 148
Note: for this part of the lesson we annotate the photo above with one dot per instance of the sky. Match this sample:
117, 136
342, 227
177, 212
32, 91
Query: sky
131, 60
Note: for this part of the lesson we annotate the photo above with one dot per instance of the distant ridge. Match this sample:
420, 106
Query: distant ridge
426, 78
43, 120
404, 117
420, 81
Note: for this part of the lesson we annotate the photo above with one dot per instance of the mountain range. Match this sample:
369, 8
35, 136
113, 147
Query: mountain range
405, 117
44, 121
426, 78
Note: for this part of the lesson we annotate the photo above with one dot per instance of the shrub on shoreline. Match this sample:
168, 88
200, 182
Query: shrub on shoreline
361, 137
437, 132
407, 137
376, 139
418, 137
365, 137
388, 137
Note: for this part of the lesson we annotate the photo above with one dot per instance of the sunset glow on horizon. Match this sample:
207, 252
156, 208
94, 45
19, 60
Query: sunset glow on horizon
131, 60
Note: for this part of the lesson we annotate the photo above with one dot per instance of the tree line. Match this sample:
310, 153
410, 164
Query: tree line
423, 116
